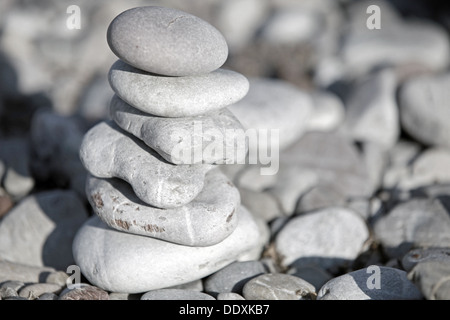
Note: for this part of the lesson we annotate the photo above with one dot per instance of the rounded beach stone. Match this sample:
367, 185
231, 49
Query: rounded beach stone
176, 294
106, 260
39, 230
22, 272
229, 296
371, 283
206, 220
414, 223
84, 292
166, 41
35, 290
233, 277
109, 152
330, 237
278, 286
273, 104
177, 96
215, 138
424, 110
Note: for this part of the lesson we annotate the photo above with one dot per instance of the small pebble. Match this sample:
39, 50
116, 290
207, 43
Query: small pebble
176, 294
330, 238
86, 292
233, 277
414, 223
372, 283
48, 296
229, 296
278, 286
34, 291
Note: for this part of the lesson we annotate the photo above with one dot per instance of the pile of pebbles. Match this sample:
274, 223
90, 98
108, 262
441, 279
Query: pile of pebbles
358, 209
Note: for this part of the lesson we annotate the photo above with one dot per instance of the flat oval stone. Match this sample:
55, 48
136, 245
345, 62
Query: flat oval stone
206, 220
177, 96
371, 283
166, 41
331, 237
121, 262
176, 294
84, 292
213, 138
278, 286
108, 152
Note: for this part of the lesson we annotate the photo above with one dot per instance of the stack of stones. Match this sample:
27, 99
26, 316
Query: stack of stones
165, 213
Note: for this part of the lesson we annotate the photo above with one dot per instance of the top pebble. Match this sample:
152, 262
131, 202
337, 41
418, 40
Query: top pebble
166, 41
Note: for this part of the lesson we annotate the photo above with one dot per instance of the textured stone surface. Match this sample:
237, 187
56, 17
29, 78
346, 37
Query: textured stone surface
362, 284
414, 223
371, 110
424, 109
274, 104
175, 294
233, 277
84, 292
22, 272
211, 138
177, 96
329, 237
278, 286
206, 220
106, 260
40, 229
166, 41
109, 152
33, 291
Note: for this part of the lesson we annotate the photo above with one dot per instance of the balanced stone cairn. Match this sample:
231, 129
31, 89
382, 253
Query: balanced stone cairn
165, 213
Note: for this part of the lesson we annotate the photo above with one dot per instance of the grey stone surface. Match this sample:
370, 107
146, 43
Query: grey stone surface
328, 113
39, 231
335, 160
431, 276
260, 203
414, 223
17, 178
48, 296
84, 292
319, 197
330, 238
107, 152
206, 220
233, 277
154, 264
278, 286
229, 296
177, 96
424, 109
176, 294
12, 271
166, 41
398, 42
311, 274
274, 104
211, 138
35, 290
415, 256
363, 284
371, 112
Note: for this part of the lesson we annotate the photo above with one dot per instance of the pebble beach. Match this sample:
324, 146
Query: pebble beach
122, 175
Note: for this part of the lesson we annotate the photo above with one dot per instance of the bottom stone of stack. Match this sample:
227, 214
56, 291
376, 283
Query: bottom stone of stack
117, 261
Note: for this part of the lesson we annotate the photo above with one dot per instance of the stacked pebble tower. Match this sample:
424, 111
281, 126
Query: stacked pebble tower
163, 218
